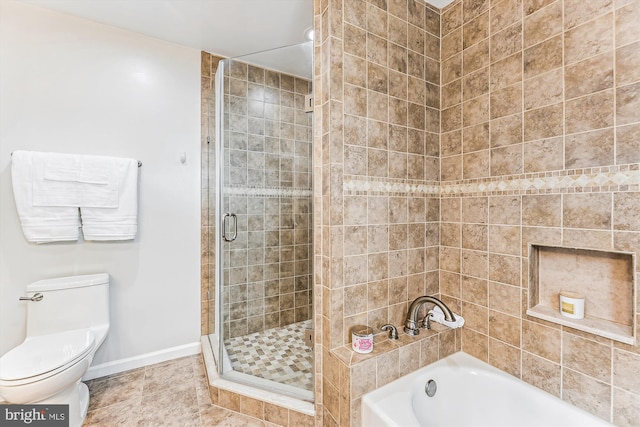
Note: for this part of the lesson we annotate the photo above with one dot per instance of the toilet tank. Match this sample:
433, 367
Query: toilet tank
75, 302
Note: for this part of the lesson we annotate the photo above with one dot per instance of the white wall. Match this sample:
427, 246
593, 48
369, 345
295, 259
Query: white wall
72, 85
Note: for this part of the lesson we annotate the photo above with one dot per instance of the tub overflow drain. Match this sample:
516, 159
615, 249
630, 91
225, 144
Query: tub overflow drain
431, 388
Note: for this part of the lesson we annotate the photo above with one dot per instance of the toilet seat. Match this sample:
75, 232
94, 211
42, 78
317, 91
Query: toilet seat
42, 356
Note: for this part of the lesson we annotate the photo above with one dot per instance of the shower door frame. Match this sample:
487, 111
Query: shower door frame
224, 368
219, 183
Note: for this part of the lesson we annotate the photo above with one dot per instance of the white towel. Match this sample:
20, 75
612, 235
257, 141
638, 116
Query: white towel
121, 222
74, 180
40, 224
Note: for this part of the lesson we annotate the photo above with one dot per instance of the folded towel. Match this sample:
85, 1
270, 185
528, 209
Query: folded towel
74, 180
121, 222
40, 224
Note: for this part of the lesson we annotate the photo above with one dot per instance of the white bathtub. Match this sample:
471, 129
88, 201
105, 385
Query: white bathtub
469, 393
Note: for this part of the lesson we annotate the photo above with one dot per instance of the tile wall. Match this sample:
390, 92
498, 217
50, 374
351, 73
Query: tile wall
540, 143
270, 413
381, 143
268, 177
536, 107
377, 157
268, 181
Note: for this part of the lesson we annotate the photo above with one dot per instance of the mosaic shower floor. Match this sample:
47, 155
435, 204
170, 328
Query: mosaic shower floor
278, 354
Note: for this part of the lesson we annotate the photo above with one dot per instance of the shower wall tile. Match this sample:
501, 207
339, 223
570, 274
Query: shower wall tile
560, 78
589, 39
586, 356
586, 393
541, 373
543, 155
589, 76
505, 357
543, 24
509, 88
270, 261
625, 17
626, 407
379, 98
262, 153
543, 57
543, 90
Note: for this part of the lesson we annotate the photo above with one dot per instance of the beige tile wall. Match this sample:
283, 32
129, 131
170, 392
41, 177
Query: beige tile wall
377, 141
267, 164
271, 414
534, 95
546, 90
539, 140
382, 130
269, 147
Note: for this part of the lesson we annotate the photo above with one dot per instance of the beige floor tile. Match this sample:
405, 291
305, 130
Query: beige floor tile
178, 406
119, 414
172, 393
106, 392
177, 375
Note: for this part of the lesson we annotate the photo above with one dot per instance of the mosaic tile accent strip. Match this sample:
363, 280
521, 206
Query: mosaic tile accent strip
355, 185
267, 192
610, 178
604, 179
278, 354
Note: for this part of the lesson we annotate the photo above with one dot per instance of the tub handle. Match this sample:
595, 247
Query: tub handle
393, 331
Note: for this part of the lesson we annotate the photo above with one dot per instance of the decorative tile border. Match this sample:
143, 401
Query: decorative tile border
351, 185
267, 192
604, 179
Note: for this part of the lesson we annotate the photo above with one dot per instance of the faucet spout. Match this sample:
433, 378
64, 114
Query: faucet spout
411, 326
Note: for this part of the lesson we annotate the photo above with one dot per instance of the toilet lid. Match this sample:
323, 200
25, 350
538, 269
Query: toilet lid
41, 354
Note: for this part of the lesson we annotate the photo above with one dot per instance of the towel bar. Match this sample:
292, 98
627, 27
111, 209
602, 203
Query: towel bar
139, 162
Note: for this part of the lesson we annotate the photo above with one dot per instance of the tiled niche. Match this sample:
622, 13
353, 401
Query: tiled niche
605, 278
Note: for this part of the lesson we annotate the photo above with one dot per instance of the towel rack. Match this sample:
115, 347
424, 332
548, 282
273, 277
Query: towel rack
139, 162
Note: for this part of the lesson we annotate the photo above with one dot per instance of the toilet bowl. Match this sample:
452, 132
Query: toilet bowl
64, 329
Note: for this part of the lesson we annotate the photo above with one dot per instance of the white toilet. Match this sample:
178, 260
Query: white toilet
67, 320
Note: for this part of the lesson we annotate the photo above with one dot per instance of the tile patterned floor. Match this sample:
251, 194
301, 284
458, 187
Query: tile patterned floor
278, 354
173, 393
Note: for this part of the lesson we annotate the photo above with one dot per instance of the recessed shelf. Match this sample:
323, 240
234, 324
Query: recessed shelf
594, 325
607, 279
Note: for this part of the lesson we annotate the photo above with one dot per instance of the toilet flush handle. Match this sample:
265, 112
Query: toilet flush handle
36, 297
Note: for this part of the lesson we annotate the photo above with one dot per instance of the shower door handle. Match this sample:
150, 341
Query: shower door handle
232, 237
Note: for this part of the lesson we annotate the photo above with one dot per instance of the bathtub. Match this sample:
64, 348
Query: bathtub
469, 392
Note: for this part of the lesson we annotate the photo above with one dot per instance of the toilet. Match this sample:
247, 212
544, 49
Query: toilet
67, 320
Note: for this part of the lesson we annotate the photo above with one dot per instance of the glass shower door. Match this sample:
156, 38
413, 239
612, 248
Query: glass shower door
264, 244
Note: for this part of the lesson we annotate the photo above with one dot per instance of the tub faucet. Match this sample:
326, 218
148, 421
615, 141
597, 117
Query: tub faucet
411, 326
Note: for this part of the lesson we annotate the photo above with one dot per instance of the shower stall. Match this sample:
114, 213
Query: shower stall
259, 218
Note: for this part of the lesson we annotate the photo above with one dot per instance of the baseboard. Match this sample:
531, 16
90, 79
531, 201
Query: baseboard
147, 359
